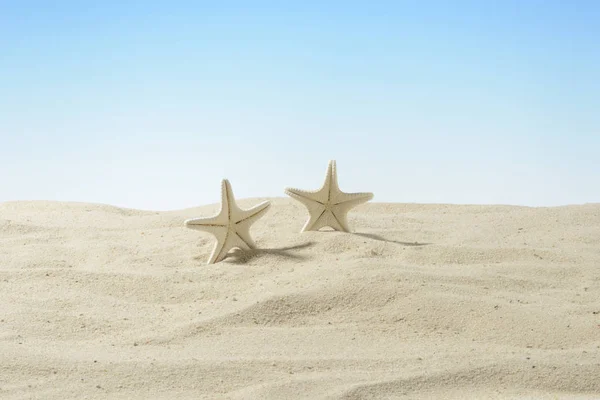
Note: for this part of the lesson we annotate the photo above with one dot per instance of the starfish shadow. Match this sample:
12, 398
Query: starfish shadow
239, 256
382, 239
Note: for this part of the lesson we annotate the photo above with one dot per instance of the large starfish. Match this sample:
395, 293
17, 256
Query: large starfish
231, 226
328, 206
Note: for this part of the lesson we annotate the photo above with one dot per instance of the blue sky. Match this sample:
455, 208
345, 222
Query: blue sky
150, 104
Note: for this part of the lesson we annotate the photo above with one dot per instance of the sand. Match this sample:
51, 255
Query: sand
422, 302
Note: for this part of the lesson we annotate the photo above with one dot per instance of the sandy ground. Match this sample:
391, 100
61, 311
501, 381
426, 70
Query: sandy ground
422, 301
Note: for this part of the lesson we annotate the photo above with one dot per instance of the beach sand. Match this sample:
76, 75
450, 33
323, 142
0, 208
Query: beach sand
420, 302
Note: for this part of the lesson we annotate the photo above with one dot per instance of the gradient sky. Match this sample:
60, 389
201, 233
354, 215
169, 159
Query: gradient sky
148, 104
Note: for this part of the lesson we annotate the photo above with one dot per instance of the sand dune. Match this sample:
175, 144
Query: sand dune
422, 301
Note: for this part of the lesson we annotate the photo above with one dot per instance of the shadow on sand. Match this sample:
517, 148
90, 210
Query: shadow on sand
239, 256
382, 239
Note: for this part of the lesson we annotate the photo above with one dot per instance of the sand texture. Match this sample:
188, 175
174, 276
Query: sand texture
421, 302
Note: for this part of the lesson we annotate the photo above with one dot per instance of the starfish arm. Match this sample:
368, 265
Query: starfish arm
331, 182
227, 199
209, 224
251, 215
328, 218
230, 241
239, 242
303, 196
320, 195
221, 248
315, 208
221, 236
308, 196
340, 210
330, 179
351, 200
246, 219
315, 220
214, 226
221, 219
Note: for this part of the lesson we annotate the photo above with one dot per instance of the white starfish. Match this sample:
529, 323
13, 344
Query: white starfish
231, 226
328, 206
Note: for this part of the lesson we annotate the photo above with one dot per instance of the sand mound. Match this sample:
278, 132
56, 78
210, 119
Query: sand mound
422, 301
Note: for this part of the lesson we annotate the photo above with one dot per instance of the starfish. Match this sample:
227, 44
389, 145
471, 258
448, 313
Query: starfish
231, 226
328, 206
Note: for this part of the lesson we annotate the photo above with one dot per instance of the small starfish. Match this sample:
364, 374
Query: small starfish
231, 226
328, 206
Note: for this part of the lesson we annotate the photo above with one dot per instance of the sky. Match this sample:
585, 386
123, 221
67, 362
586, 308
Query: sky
148, 104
